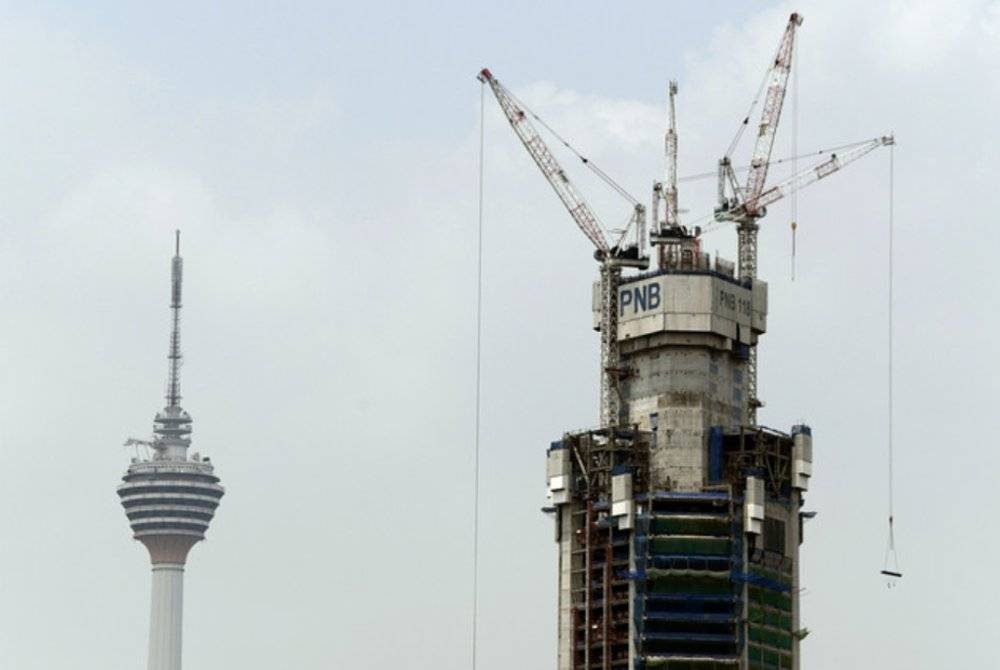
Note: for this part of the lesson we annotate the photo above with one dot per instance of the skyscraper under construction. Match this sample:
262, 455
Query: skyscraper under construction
679, 520
679, 528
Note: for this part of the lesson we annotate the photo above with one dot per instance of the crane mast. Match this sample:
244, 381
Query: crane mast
735, 208
667, 230
611, 257
670, 142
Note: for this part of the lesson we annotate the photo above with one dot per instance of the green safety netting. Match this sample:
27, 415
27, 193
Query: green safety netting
689, 581
768, 636
765, 659
691, 544
768, 617
690, 526
775, 599
773, 575
692, 664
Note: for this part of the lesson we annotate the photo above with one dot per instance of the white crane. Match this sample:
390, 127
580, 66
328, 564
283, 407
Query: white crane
612, 256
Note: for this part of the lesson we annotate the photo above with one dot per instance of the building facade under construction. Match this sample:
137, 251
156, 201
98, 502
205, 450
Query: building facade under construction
679, 529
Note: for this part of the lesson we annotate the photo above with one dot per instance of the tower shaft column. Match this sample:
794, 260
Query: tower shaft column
166, 617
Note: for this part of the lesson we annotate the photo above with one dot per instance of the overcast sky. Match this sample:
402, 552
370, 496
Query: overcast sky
321, 162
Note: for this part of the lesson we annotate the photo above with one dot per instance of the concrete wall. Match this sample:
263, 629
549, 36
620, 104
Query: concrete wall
683, 391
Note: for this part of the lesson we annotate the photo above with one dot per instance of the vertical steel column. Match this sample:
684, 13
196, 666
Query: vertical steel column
610, 359
748, 270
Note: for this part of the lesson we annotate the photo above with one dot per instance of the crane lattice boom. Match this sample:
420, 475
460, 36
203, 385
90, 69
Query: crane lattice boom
547, 163
612, 257
815, 173
745, 208
670, 185
770, 115
748, 203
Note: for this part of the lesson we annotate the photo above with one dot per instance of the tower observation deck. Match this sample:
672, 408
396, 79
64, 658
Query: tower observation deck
169, 498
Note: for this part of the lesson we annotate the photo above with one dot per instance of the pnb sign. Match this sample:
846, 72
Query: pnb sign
690, 303
639, 298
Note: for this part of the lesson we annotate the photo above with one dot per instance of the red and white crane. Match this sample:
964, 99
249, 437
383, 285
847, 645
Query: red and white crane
745, 204
613, 256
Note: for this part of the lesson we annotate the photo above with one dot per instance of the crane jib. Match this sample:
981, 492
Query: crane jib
828, 167
813, 174
577, 207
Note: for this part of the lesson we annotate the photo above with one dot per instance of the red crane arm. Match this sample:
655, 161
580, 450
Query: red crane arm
547, 163
777, 79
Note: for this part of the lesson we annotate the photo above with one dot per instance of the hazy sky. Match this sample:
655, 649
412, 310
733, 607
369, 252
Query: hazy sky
321, 162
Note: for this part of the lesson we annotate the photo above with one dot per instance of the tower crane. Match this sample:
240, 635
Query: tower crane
745, 204
670, 143
612, 256
667, 230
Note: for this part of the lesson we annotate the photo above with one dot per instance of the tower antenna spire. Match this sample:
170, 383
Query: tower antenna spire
176, 279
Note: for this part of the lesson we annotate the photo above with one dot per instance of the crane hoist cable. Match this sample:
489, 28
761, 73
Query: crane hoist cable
479, 384
891, 569
746, 119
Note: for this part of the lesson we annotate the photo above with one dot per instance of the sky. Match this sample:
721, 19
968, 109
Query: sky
321, 161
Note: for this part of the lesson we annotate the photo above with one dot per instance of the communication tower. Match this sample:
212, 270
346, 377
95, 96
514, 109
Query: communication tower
169, 498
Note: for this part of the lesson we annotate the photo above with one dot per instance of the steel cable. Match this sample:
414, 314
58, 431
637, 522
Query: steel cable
479, 368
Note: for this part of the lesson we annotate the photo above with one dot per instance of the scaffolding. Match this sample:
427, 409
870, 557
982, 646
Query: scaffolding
601, 557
